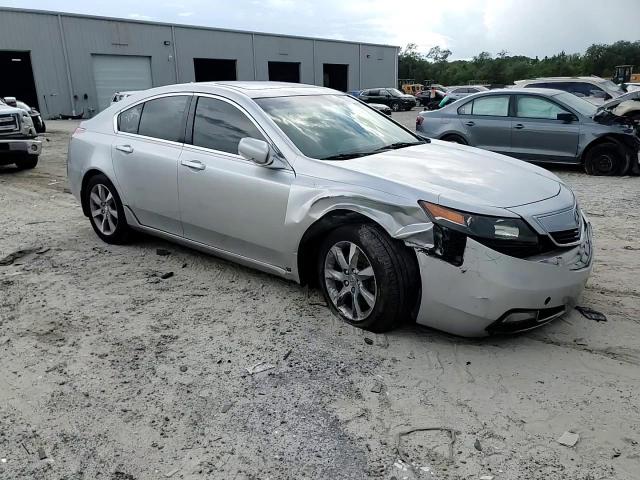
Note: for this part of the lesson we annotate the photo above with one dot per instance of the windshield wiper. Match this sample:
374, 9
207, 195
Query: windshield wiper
345, 156
398, 145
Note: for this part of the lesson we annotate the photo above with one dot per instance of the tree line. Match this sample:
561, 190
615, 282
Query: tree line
504, 69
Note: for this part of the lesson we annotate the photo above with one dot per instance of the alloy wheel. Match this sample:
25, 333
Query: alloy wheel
104, 211
350, 281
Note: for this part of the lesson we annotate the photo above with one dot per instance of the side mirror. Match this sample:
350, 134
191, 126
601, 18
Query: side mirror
257, 151
566, 117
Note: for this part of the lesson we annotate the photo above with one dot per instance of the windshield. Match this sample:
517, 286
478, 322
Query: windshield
394, 92
611, 87
335, 127
578, 104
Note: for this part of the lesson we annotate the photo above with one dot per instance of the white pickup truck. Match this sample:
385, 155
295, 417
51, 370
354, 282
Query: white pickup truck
19, 143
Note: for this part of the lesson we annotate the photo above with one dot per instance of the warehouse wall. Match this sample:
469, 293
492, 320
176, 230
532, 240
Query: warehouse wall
171, 50
40, 35
202, 43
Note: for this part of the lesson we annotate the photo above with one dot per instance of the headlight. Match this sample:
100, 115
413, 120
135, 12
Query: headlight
481, 226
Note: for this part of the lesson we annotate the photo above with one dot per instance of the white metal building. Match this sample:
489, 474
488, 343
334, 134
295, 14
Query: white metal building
66, 63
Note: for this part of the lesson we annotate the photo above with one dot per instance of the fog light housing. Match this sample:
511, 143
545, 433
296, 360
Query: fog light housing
522, 316
34, 148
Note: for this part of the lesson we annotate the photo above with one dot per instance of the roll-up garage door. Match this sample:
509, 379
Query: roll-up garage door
117, 73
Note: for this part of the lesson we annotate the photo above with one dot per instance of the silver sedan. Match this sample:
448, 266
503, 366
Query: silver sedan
314, 186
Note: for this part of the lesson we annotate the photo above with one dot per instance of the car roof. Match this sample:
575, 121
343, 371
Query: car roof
547, 92
561, 79
252, 89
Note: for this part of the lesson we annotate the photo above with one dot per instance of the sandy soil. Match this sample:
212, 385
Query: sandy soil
108, 372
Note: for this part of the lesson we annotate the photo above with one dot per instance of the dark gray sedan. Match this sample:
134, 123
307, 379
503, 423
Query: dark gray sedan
540, 125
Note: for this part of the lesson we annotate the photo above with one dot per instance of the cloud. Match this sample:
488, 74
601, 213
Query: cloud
138, 16
466, 27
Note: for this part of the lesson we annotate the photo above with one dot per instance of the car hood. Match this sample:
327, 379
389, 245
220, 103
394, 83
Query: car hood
460, 176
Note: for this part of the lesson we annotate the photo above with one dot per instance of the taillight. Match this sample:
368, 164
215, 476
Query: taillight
419, 120
78, 131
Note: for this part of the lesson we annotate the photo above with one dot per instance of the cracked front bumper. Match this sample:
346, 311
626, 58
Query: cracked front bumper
473, 300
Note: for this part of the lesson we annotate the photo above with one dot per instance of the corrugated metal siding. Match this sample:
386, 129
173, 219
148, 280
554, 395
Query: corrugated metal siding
39, 34
281, 49
201, 43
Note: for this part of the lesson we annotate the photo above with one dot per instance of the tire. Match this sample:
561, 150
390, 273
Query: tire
385, 298
455, 139
106, 213
395, 106
27, 162
606, 159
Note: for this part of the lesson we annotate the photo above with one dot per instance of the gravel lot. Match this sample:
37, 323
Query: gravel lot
108, 372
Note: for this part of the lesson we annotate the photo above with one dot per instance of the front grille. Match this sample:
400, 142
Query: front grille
565, 237
8, 123
519, 249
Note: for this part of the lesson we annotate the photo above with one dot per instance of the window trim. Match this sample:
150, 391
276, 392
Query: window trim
510, 98
153, 97
191, 124
548, 99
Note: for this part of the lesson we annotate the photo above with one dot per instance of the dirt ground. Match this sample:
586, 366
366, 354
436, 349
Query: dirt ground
109, 372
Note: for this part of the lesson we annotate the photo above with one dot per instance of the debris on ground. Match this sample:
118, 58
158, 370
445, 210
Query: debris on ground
399, 435
226, 407
591, 314
486, 477
368, 341
184, 368
616, 453
166, 275
172, 472
477, 445
260, 367
41, 453
42, 250
377, 387
629, 247
568, 439
286, 355
163, 252
12, 257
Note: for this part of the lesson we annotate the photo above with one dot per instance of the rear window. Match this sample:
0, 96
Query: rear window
129, 120
164, 118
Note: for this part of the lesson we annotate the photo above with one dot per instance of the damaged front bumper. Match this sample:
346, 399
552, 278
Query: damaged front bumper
496, 293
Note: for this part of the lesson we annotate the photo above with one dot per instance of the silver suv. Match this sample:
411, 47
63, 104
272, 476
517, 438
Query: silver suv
596, 90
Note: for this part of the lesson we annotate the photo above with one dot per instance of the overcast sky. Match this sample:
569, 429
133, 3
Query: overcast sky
466, 27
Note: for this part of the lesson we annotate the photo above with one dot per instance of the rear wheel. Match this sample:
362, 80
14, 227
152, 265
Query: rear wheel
368, 279
105, 210
27, 162
454, 139
606, 159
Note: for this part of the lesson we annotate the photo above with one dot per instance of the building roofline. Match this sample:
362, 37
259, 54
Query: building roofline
184, 25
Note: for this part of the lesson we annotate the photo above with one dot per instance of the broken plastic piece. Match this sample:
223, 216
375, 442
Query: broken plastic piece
569, 439
592, 314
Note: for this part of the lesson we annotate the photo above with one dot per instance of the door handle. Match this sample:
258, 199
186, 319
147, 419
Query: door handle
195, 164
124, 148
518, 126
470, 124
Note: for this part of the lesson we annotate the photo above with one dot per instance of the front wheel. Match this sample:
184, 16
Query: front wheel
395, 106
105, 210
368, 279
27, 162
606, 159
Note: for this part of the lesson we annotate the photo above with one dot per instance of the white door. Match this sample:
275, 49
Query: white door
117, 73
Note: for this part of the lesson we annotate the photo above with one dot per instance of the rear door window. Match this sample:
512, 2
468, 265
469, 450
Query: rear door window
373, 93
218, 125
537, 107
164, 118
494, 105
